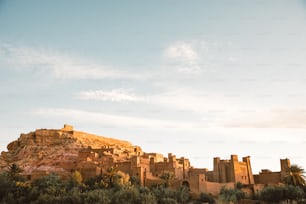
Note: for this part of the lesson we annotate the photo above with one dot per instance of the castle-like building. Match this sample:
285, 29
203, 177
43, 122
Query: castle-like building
149, 167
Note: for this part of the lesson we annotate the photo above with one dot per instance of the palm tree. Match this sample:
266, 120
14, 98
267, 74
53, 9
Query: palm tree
295, 176
168, 177
110, 176
14, 172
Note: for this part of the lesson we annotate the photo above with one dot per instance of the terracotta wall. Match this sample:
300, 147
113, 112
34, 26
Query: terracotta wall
268, 178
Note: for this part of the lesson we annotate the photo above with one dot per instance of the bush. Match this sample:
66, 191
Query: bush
293, 193
231, 194
97, 196
207, 198
162, 193
167, 201
127, 195
148, 198
50, 184
272, 194
5, 185
182, 194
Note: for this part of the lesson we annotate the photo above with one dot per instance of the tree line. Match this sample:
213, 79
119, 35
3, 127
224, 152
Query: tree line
114, 187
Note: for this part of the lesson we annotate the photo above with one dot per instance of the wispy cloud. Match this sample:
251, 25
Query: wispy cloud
115, 95
185, 55
112, 120
212, 110
60, 65
268, 119
181, 51
175, 99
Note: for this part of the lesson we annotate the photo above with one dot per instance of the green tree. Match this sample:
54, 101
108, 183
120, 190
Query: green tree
110, 177
239, 185
8, 190
182, 194
135, 181
167, 201
97, 182
292, 193
206, 198
128, 195
97, 196
167, 177
5, 185
272, 194
14, 171
163, 194
13, 189
50, 185
146, 195
148, 198
295, 176
231, 195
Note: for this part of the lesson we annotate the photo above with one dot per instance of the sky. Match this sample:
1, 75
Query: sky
199, 78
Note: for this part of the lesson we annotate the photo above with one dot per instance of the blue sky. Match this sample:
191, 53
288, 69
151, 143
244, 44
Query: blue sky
198, 78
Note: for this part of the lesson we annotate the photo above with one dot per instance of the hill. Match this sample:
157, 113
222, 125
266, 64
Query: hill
57, 150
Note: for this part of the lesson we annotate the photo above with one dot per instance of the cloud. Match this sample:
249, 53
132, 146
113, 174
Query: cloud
211, 110
112, 120
181, 51
185, 56
174, 99
60, 65
268, 119
207, 109
219, 110
115, 95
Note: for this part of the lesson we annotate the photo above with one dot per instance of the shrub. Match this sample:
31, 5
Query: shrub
97, 196
231, 194
272, 194
167, 201
204, 197
127, 195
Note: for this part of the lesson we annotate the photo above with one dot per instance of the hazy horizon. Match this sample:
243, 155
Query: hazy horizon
199, 79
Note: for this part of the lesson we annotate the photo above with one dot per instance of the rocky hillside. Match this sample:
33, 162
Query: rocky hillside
55, 149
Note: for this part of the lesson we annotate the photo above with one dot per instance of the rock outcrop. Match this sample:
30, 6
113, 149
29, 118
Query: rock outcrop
57, 150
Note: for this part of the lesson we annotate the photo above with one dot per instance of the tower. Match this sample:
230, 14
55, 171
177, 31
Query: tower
285, 164
247, 160
285, 168
216, 173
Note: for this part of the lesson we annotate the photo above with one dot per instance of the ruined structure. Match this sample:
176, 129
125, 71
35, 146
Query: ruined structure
65, 150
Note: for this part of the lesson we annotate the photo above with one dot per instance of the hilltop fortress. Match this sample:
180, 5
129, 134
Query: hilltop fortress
65, 150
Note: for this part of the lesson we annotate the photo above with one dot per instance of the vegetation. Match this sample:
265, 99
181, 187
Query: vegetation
113, 187
295, 176
276, 194
206, 198
231, 195
272, 194
117, 187
14, 172
168, 177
